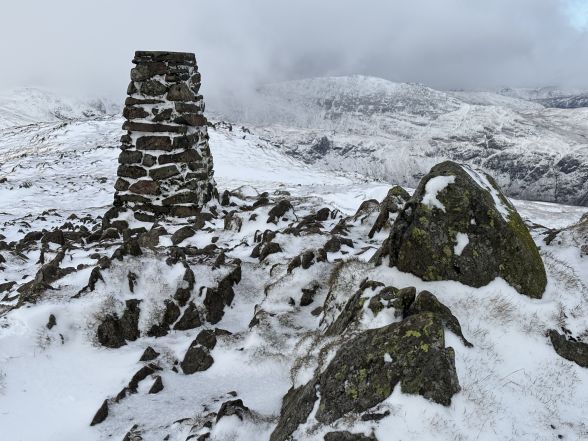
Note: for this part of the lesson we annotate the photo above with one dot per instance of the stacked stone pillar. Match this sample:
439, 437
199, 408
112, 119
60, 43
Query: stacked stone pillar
165, 163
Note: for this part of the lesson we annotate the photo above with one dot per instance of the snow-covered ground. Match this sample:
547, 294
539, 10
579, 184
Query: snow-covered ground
514, 386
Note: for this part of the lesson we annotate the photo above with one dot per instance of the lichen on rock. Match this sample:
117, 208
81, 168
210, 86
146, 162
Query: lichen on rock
424, 236
365, 370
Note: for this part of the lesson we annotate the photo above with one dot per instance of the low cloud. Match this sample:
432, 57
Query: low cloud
86, 47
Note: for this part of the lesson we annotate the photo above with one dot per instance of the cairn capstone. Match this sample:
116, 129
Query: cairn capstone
166, 166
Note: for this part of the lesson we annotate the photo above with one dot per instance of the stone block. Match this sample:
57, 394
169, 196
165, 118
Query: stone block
185, 156
152, 88
154, 143
121, 185
134, 113
161, 173
191, 119
145, 186
180, 92
131, 171
188, 197
145, 71
182, 107
130, 157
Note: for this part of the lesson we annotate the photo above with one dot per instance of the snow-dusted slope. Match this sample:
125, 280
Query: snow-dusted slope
566, 102
395, 132
42, 162
550, 96
30, 105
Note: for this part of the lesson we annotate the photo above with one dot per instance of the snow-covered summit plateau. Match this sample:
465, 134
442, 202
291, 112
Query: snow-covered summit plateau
315, 300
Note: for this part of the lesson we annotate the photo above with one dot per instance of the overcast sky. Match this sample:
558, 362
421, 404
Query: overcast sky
85, 47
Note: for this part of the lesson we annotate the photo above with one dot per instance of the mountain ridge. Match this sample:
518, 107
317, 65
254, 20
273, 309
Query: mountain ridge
397, 131
390, 131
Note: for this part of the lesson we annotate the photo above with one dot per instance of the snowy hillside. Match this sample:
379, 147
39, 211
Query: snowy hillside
290, 248
566, 102
396, 132
539, 93
30, 105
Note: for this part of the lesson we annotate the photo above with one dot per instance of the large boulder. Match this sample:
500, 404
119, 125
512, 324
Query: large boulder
458, 225
366, 369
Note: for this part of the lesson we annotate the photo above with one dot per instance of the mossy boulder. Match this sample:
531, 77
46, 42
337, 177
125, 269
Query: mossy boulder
458, 225
366, 369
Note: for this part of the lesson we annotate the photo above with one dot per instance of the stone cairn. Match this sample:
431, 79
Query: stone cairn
165, 163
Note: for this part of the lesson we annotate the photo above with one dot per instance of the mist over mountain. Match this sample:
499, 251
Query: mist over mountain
239, 46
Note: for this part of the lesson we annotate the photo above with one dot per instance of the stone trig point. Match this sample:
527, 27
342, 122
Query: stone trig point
165, 163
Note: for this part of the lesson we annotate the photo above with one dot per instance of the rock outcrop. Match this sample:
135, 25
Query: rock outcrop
198, 356
114, 332
570, 349
165, 163
575, 235
392, 203
458, 225
366, 369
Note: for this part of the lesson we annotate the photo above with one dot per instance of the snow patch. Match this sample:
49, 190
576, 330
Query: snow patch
461, 241
432, 189
483, 182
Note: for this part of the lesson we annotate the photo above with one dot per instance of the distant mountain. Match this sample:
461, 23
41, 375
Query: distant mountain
29, 105
391, 131
550, 96
535, 93
397, 131
566, 102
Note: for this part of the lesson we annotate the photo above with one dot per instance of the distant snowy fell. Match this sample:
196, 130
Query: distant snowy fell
397, 131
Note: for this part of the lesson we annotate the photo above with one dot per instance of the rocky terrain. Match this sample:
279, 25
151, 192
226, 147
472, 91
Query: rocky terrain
533, 142
307, 304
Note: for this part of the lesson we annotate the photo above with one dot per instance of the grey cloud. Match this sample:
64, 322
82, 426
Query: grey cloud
86, 47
